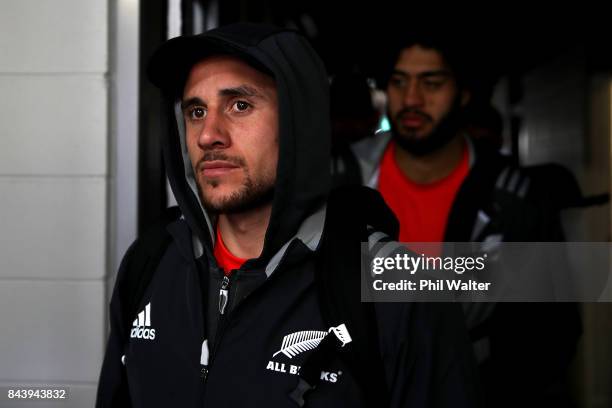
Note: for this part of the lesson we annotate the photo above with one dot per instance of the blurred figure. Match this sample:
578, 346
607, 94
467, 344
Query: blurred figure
443, 187
353, 118
420, 165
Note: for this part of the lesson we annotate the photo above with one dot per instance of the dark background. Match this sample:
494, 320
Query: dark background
504, 40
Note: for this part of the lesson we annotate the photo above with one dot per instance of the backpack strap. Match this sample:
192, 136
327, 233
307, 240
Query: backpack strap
350, 210
145, 256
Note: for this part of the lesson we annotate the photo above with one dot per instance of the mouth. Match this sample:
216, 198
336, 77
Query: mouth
412, 121
217, 168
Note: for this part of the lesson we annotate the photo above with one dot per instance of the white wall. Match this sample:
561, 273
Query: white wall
54, 189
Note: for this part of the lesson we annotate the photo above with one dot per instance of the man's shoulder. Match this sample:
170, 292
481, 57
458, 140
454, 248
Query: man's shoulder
359, 207
555, 183
371, 148
544, 181
366, 154
156, 237
152, 244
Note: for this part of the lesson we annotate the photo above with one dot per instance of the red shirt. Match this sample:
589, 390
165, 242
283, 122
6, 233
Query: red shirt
225, 259
422, 209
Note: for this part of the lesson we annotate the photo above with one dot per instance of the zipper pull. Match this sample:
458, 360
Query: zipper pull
223, 295
204, 360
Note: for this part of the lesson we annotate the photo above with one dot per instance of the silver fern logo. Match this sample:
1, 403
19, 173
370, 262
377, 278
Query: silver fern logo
299, 342
306, 340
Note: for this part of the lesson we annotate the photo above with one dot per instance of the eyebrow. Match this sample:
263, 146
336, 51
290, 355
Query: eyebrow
426, 74
195, 101
242, 90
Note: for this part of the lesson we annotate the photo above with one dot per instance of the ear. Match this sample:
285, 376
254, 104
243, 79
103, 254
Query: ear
466, 96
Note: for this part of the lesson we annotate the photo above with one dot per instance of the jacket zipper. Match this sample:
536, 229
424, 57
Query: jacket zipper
223, 295
224, 290
223, 302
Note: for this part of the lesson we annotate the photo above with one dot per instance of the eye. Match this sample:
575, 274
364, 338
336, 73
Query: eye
196, 113
241, 106
397, 82
433, 85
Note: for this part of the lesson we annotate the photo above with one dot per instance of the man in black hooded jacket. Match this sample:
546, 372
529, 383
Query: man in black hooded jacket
232, 310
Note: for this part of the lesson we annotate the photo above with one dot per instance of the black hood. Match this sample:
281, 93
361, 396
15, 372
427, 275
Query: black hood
303, 172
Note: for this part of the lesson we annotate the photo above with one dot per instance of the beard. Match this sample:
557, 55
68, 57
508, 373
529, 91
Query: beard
253, 193
440, 136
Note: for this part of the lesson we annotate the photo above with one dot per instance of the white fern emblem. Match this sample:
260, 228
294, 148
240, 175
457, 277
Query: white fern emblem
342, 334
299, 342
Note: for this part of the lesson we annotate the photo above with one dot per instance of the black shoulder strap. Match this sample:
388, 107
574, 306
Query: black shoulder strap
476, 189
144, 258
350, 210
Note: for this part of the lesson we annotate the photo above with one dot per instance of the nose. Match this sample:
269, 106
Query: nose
413, 95
214, 133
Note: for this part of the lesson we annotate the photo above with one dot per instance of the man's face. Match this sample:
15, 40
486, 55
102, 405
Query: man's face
422, 94
231, 120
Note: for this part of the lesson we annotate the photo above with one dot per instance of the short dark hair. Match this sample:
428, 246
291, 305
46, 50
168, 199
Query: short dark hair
456, 53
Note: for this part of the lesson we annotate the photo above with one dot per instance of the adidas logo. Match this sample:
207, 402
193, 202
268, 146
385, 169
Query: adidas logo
141, 326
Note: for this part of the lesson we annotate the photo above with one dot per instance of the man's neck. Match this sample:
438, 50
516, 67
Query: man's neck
243, 234
431, 167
